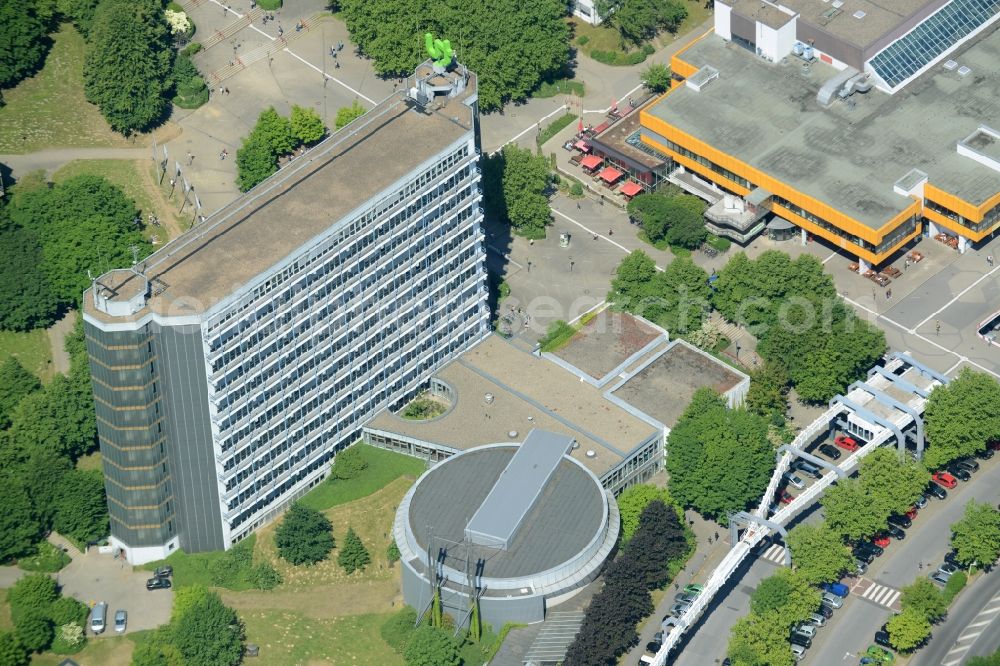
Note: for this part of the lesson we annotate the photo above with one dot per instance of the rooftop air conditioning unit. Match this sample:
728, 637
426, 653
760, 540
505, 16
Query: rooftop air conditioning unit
950, 65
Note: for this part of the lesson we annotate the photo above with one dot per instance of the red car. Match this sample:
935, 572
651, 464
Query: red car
845, 442
944, 479
993, 444
881, 540
911, 513
786, 497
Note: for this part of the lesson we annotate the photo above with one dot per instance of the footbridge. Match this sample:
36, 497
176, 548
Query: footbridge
886, 407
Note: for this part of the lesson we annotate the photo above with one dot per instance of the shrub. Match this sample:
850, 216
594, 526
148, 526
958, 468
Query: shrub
954, 586
12, 653
396, 631
576, 190
175, 6
269, 5
191, 49
67, 610
69, 639
263, 576
34, 632
348, 464
558, 333
553, 128
47, 559
559, 87
304, 536
582, 40
392, 552
192, 93
31, 596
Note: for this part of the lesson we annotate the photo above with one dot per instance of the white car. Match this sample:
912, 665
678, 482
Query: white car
794, 480
798, 652
816, 619
805, 629
832, 600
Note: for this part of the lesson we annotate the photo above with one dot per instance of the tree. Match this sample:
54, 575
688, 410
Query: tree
976, 537
686, 221
67, 610
307, 126
34, 633
392, 553
32, 595
787, 596
275, 130
255, 161
990, 660
353, 555
190, 90
892, 482
26, 298
908, 629
304, 536
633, 280
209, 633
150, 653
84, 223
651, 211
23, 43
525, 177
57, 422
659, 540
512, 46
346, 114
126, 71
759, 639
20, 526
719, 459
12, 653
680, 297
15, 384
639, 20
818, 553
924, 598
849, 512
348, 463
768, 392
656, 77
631, 503
430, 646
81, 509
80, 12
961, 417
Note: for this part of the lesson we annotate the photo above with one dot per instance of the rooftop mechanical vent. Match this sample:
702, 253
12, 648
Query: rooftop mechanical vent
858, 14
964, 71
950, 65
838, 3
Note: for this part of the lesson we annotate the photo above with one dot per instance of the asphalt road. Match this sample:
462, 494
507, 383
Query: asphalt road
972, 627
852, 628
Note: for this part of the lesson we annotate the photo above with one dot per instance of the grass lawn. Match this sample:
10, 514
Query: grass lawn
137, 178
5, 622
605, 38
49, 110
383, 467
287, 637
32, 349
106, 651
195, 568
90, 461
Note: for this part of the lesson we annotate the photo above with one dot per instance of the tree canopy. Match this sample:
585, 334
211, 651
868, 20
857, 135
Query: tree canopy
304, 536
431, 646
15, 384
908, 629
677, 219
786, 596
307, 126
759, 639
515, 181
638, 21
23, 42
209, 633
26, 299
656, 77
923, 598
127, 70
273, 137
976, 537
631, 503
660, 538
348, 463
719, 459
768, 392
676, 298
353, 555
961, 417
81, 510
818, 553
346, 114
512, 46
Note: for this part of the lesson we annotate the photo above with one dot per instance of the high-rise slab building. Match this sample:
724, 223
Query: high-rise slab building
231, 365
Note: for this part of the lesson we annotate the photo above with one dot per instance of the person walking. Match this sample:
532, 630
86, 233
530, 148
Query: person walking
937, 327
190, 158
989, 260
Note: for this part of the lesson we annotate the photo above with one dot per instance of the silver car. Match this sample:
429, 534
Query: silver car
940, 577
794, 480
679, 608
832, 600
816, 619
121, 621
805, 629
798, 652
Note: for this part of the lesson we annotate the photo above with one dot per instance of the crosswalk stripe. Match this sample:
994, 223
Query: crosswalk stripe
882, 595
892, 598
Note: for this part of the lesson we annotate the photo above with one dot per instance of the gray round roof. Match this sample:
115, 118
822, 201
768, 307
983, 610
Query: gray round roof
568, 514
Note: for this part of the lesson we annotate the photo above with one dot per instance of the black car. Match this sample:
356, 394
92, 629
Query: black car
951, 557
937, 491
830, 451
866, 547
799, 639
968, 463
882, 638
825, 611
895, 532
865, 556
166, 571
653, 646
158, 584
959, 472
900, 521
985, 454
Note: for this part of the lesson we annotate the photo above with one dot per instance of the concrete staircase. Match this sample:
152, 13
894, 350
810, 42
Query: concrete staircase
231, 29
266, 51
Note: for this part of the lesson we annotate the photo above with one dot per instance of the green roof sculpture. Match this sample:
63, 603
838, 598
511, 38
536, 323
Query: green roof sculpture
440, 52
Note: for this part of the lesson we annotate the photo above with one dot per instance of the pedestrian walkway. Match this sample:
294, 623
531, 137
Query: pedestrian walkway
554, 639
775, 554
979, 624
880, 595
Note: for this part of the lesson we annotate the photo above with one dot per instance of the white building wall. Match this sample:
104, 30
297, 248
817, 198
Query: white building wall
723, 15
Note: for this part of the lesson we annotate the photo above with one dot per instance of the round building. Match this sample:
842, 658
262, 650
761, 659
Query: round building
520, 527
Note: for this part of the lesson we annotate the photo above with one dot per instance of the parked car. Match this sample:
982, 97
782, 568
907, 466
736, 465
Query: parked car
868, 547
121, 620
948, 568
694, 589
158, 583
920, 503
937, 491
839, 589
684, 597
968, 462
860, 567
166, 571
911, 513
799, 639
846, 443
993, 445
882, 637
807, 467
99, 617
679, 608
794, 480
653, 646
951, 557
864, 556
798, 652
877, 655
895, 532
940, 577
816, 619
944, 479
825, 611
804, 629
959, 472
881, 540
786, 497
901, 521
985, 454
829, 451
831, 600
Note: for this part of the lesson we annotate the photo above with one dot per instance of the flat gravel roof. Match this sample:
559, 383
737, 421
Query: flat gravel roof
565, 518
